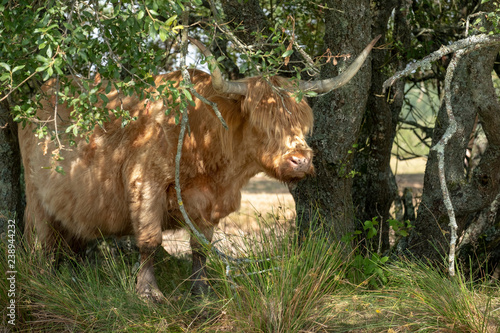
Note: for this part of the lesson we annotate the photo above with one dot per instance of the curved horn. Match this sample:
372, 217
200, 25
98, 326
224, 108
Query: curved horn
220, 85
321, 86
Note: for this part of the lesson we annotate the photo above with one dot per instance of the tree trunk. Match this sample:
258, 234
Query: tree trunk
472, 93
253, 20
325, 200
375, 186
249, 14
11, 207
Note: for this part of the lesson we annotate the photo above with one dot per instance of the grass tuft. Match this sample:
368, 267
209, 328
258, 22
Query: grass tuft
453, 304
285, 288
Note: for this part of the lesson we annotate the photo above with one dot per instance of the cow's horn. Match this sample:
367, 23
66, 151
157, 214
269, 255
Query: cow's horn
321, 86
220, 85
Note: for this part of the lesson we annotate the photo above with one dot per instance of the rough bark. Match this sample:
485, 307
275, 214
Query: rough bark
253, 20
249, 14
11, 206
326, 199
473, 93
375, 187
479, 249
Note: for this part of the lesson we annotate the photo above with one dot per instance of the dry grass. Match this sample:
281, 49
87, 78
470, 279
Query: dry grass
301, 289
413, 166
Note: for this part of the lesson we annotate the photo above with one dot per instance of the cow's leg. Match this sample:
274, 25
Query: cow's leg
147, 215
146, 282
40, 227
42, 230
199, 274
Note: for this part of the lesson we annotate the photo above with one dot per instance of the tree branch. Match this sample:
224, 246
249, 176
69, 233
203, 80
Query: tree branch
427, 130
184, 123
469, 44
439, 149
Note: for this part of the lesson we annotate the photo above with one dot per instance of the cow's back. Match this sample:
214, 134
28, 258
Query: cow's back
86, 191
121, 179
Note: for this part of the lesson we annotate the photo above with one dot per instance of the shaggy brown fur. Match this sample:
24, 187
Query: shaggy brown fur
121, 181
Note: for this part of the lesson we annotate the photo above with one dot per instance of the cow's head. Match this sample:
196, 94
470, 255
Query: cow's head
280, 123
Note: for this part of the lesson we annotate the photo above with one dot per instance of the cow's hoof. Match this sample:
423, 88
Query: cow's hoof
152, 295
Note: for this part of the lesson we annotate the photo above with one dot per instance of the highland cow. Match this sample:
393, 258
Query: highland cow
120, 180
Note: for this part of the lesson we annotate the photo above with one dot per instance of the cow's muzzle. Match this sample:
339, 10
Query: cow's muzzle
299, 163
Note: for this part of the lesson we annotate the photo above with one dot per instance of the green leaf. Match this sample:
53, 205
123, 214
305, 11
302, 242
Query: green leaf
17, 68
49, 51
6, 66
187, 93
93, 98
180, 4
368, 225
48, 73
152, 31
371, 233
59, 169
287, 54
171, 20
104, 98
108, 88
177, 27
5, 76
163, 34
41, 58
58, 69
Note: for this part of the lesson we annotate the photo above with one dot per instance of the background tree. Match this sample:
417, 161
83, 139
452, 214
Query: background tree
327, 198
411, 30
474, 188
374, 187
11, 204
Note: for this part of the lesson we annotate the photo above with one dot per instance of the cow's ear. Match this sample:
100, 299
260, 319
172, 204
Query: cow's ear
230, 110
227, 105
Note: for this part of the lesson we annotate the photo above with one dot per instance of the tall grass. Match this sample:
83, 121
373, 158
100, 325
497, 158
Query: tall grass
291, 286
79, 296
284, 287
445, 303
